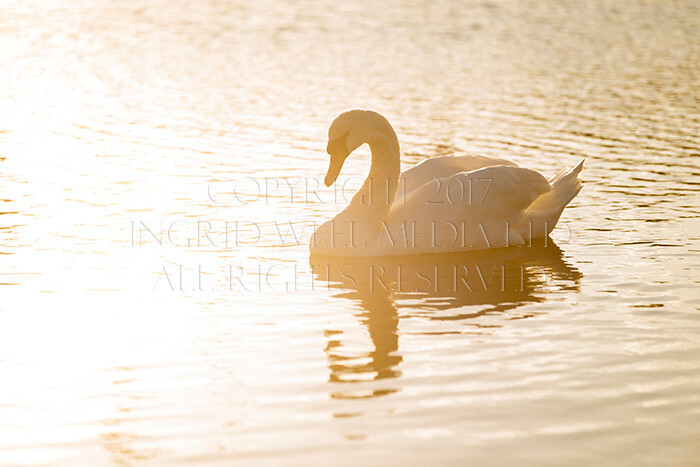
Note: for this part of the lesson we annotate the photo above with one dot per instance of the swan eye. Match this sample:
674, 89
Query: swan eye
338, 146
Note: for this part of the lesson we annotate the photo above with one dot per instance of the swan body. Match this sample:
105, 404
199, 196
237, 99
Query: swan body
443, 204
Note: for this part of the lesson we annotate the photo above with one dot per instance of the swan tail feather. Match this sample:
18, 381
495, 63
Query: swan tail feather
542, 215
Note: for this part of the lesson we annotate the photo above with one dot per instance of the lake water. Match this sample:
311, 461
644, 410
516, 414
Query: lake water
127, 126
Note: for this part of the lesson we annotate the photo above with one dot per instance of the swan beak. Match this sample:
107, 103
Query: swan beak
333, 170
338, 150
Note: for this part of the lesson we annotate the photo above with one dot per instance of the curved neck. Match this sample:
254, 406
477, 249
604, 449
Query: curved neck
379, 189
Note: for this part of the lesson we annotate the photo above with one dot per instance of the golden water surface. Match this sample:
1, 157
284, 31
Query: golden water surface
158, 184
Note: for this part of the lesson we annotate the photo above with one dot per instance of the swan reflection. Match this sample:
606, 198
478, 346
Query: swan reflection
446, 287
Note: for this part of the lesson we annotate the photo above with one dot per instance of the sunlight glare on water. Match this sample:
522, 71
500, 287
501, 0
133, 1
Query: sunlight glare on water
159, 180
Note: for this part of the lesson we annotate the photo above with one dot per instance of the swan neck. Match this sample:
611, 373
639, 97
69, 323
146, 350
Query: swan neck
386, 166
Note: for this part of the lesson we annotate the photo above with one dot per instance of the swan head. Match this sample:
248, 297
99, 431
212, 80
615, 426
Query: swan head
348, 131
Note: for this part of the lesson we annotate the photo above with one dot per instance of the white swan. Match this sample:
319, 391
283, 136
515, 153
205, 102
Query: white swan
443, 204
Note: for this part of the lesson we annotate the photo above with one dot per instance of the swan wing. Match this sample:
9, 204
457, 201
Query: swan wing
444, 166
482, 205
